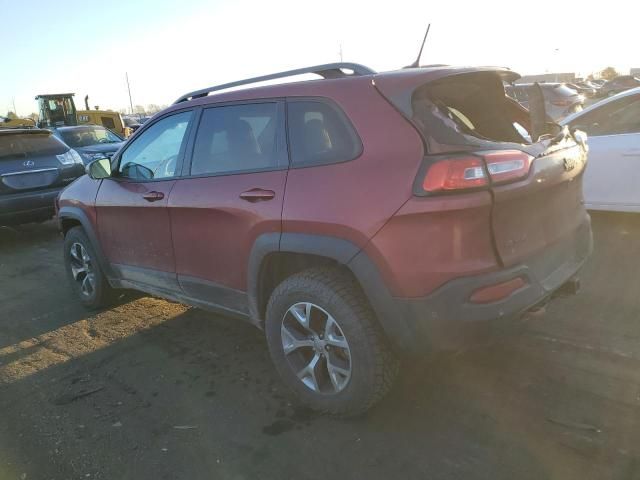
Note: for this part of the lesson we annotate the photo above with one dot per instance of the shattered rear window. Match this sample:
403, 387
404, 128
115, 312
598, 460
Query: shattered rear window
469, 110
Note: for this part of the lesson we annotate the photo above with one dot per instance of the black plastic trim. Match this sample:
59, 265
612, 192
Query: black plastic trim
214, 293
179, 297
147, 276
264, 245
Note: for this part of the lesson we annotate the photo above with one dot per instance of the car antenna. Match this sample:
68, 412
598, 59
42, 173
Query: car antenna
416, 64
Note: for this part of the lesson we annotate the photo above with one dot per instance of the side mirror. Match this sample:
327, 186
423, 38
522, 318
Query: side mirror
99, 169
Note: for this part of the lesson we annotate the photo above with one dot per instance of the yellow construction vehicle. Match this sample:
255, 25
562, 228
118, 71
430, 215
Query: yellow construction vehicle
59, 109
16, 122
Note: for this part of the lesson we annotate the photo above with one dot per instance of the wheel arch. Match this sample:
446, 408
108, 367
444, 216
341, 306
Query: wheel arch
275, 256
69, 217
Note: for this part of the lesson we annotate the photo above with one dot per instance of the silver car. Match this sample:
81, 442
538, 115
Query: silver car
559, 99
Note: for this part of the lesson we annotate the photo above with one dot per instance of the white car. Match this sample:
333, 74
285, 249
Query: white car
612, 178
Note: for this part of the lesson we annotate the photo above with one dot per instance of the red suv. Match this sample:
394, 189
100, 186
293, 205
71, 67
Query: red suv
354, 218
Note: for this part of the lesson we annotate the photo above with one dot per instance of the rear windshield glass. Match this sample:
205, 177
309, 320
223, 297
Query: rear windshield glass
469, 110
12, 145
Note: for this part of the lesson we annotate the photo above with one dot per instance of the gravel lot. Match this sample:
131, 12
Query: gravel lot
155, 390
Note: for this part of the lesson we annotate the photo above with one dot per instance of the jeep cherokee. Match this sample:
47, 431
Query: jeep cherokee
355, 218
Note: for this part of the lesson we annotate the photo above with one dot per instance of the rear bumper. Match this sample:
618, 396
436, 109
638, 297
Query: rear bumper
446, 319
28, 206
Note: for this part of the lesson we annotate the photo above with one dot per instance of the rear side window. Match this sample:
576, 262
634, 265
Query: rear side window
30, 144
239, 138
319, 133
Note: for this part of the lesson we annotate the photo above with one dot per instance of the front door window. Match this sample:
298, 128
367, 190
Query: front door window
154, 153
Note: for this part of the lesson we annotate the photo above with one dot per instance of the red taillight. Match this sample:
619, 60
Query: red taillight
507, 165
497, 292
561, 103
468, 172
455, 174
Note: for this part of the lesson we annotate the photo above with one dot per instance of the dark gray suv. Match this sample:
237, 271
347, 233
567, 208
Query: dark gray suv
34, 167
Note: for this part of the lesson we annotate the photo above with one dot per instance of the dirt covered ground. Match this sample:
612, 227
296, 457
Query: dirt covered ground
154, 390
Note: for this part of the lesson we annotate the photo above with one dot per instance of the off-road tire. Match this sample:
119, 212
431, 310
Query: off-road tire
374, 366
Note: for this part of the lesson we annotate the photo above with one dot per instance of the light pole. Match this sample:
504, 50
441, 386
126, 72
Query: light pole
129, 89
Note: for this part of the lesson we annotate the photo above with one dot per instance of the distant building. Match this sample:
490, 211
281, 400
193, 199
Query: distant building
635, 71
548, 77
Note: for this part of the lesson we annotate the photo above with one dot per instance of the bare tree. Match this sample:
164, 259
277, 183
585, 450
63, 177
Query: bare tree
609, 73
153, 108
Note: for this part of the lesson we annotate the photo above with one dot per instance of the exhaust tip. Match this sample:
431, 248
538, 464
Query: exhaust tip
569, 288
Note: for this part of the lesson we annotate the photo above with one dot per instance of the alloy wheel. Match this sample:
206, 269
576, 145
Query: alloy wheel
315, 348
82, 269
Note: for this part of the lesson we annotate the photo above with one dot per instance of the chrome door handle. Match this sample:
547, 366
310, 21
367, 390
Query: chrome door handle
153, 196
257, 195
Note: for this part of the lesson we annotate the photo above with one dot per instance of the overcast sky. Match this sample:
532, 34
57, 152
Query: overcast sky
170, 47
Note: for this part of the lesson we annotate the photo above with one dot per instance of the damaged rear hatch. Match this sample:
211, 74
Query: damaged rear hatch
532, 168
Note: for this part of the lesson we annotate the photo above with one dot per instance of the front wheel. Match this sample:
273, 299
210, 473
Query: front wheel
83, 271
326, 344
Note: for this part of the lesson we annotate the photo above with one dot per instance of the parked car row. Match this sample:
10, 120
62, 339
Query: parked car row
617, 85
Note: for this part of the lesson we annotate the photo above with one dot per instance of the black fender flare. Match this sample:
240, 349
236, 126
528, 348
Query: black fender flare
76, 213
344, 253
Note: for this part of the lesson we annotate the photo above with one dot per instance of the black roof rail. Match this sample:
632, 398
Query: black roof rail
328, 70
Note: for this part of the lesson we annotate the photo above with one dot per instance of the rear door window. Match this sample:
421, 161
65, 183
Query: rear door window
320, 133
239, 138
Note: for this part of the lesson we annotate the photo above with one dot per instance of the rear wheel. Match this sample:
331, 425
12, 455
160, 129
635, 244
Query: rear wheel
83, 270
325, 343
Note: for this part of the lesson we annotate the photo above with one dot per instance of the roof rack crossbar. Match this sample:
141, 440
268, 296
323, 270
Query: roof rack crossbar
329, 70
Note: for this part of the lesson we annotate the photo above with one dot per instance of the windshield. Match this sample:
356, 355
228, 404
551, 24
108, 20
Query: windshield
87, 136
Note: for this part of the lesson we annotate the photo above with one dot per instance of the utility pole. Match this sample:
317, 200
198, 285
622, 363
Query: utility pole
13, 100
340, 52
129, 89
